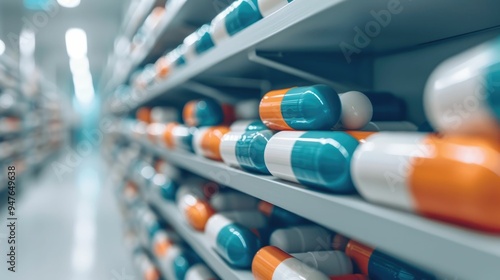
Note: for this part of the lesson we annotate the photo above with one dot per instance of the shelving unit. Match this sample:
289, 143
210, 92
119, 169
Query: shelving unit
305, 43
436, 246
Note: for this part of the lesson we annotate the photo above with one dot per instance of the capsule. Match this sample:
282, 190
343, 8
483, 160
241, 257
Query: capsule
183, 262
167, 169
332, 263
231, 201
166, 262
200, 272
163, 66
248, 125
162, 241
194, 207
268, 7
406, 170
233, 19
178, 136
379, 266
280, 216
163, 115
303, 108
271, 263
155, 132
301, 239
206, 141
230, 234
246, 150
146, 267
198, 42
149, 222
204, 112
164, 186
357, 110
318, 159
144, 114
462, 95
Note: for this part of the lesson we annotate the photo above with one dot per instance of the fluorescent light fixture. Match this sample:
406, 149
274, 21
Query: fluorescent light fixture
84, 87
2, 47
27, 42
76, 43
79, 65
69, 3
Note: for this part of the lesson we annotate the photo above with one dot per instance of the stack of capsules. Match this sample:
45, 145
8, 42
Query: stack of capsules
453, 176
238, 16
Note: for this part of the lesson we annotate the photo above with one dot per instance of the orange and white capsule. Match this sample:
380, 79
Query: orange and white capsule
162, 241
177, 136
146, 266
271, 263
144, 114
194, 206
206, 141
155, 132
452, 178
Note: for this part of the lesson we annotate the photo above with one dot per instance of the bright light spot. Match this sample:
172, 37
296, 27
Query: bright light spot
76, 43
69, 3
27, 42
79, 65
2, 47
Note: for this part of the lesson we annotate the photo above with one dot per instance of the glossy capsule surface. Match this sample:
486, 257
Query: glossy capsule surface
204, 112
177, 136
207, 140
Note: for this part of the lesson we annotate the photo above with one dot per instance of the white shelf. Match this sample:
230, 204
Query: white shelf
197, 241
321, 26
438, 247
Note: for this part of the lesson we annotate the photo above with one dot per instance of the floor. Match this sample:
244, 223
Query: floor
69, 228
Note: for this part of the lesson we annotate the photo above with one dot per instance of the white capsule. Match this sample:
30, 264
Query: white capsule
357, 110
301, 239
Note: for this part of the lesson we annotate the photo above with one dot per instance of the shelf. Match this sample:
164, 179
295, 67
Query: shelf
181, 18
197, 241
435, 246
322, 26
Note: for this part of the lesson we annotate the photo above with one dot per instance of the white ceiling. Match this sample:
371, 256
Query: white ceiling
101, 19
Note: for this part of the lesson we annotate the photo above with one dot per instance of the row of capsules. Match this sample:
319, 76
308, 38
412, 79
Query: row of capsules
235, 18
162, 252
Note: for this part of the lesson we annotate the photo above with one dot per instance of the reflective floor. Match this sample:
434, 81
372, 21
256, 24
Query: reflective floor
68, 228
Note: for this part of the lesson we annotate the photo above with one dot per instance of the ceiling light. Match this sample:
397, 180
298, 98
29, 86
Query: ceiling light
27, 42
76, 43
69, 3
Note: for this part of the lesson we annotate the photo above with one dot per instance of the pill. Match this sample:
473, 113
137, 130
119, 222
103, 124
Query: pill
155, 132
203, 112
246, 150
248, 125
268, 7
390, 126
233, 19
462, 95
271, 263
167, 169
206, 141
164, 114
146, 266
183, 262
357, 110
280, 216
350, 277
163, 66
166, 262
162, 241
144, 114
200, 272
300, 239
379, 266
318, 159
231, 201
178, 136
387, 107
302, 108
149, 222
193, 205
405, 170
198, 42
164, 186
331, 263
230, 235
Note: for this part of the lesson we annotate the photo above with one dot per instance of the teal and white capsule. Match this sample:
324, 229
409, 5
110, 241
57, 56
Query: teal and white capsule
166, 262
183, 262
268, 7
231, 235
248, 125
200, 272
318, 159
462, 95
236, 17
246, 150
198, 42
